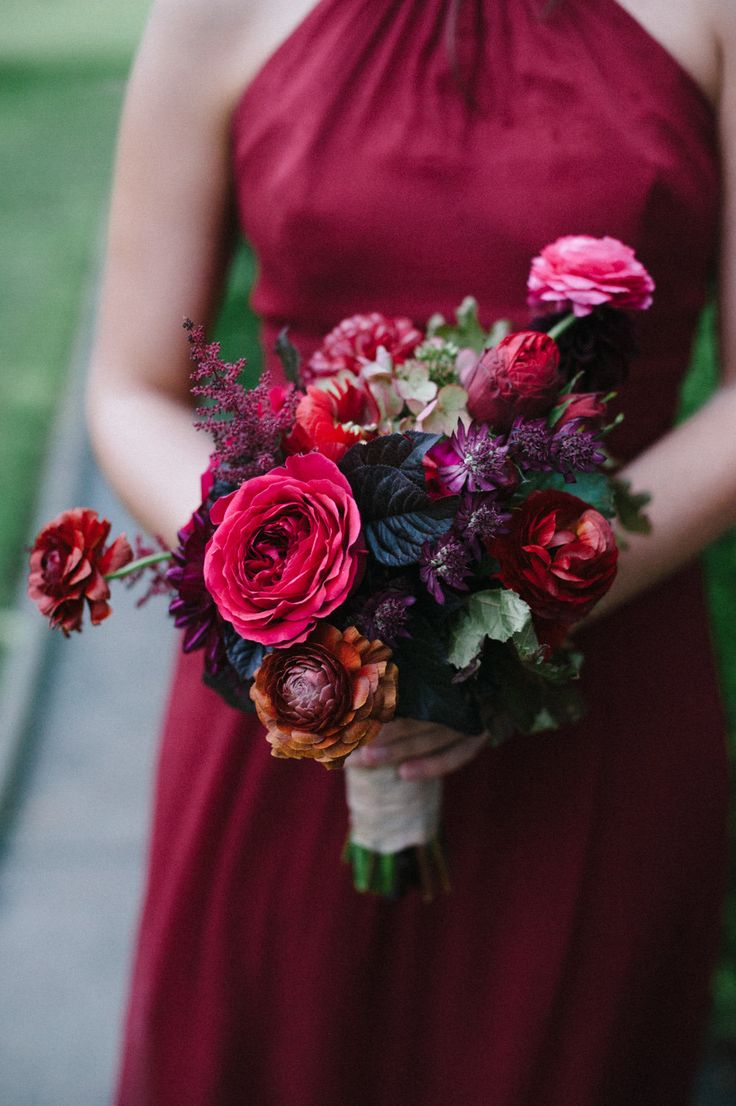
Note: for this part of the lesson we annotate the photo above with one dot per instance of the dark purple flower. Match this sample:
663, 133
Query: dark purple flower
444, 563
471, 458
529, 444
385, 615
480, 519
599, 345
193, 607
576, 450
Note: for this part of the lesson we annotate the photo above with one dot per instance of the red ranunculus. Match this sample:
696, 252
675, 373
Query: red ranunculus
586, 406
354, 342
518, 377
286, 551
331, 419
69, 563
560, 556
583, 272
324, 698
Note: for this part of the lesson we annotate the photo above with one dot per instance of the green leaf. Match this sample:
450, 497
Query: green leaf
288, 354
594, 488
497, 614
466, 332
526, 643
630, 507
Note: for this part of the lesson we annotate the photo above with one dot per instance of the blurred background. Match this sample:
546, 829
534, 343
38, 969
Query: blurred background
78, 719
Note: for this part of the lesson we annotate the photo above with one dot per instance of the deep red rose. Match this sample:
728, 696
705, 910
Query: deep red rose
286, 552
583, 273
586, 406
332, 419
324, 698
69, 563
354, 342
560, 556
518, 377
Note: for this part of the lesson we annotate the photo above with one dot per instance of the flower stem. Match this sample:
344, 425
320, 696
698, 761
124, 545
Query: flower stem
563, 325
135, 566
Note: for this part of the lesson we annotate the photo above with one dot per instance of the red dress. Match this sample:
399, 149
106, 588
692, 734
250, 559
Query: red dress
570, 965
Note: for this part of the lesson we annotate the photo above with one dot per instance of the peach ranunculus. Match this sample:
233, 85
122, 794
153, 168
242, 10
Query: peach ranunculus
322, 699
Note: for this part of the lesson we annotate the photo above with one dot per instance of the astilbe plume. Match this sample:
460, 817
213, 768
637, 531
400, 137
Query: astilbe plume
247, 425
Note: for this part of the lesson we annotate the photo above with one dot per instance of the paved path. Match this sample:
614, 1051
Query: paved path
71, 874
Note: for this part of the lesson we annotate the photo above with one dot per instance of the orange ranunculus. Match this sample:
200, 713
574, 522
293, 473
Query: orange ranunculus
322, 699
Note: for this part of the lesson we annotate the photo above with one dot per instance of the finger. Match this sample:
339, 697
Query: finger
416, 744
398, 729
401, 729
444, 762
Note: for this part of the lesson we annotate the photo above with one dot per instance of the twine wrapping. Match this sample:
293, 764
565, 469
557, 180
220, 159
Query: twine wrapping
388, 813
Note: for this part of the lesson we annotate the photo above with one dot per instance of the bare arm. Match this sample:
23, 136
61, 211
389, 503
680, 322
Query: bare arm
168, 246
691, 472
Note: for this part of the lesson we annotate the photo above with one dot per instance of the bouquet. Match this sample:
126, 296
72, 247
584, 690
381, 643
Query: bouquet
409, 524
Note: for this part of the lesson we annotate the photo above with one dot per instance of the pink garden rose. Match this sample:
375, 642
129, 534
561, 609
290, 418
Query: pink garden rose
286, 551
583, 272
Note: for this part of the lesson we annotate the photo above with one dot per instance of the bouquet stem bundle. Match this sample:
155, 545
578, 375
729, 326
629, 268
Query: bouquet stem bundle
394, 832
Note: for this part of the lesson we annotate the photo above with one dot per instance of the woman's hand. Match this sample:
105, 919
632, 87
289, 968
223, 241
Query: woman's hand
422, 750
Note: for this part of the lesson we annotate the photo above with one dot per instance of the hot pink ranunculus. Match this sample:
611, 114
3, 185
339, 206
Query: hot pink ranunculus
286, 551
583, 272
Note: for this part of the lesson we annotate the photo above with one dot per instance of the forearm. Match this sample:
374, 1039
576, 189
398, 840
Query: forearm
150, 452
691, 477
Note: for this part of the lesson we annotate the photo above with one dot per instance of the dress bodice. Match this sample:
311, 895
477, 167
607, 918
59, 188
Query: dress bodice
379, 168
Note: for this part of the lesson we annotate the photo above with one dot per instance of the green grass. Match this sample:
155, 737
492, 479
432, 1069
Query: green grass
55, 144
62, 70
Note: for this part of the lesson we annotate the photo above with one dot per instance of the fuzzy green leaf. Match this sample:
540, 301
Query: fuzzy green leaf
630, 507
594, 488
497, 614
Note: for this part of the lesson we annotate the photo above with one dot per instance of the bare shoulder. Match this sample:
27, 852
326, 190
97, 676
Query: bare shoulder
223, 43
686, 29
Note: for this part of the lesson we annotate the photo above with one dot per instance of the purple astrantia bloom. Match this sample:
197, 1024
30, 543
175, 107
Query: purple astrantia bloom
385, 615
480, 519
444, 563
472, 458
576, 450
529, 444
193, 607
